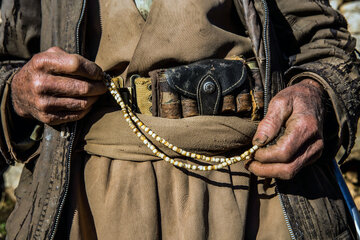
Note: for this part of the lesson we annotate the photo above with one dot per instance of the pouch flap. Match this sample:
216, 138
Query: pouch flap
230, 74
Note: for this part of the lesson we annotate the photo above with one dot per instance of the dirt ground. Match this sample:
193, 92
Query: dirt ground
6, 206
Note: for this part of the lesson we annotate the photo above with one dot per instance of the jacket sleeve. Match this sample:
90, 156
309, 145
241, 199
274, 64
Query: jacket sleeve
20, 27
317, 45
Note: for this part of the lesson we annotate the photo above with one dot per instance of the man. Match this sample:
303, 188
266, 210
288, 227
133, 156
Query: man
117, 188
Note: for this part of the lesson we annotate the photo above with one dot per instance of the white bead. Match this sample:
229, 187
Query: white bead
193, 155
181, 164
167, 159
158, 138
251, 150
255, 147
193, 167
153, 135
171, 160
188, 154
209, 168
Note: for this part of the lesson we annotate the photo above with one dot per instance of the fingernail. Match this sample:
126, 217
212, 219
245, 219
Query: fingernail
261, 140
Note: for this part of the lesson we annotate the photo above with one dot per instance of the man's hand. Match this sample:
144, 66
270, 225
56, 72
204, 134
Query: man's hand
299, 109
55, 87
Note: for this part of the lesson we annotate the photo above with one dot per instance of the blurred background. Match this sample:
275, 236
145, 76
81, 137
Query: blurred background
9, 177
351, 168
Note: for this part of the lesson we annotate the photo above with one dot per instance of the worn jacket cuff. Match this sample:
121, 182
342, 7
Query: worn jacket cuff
339, 91
19, 139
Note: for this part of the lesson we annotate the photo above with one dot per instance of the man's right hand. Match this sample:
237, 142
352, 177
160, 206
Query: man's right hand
55, 87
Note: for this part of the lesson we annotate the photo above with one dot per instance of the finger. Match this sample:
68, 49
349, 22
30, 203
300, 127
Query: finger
300, 132
50, 105
61, 117
60, 62
66, 86
279, 110
287, 170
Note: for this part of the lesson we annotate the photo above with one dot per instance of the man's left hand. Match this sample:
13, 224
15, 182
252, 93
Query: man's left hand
300, 110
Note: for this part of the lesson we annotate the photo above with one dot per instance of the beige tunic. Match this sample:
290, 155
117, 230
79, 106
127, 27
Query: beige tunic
122, 191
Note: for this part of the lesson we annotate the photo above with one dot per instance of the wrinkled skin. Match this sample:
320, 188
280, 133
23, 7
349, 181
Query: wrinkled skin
298, 108
55, 87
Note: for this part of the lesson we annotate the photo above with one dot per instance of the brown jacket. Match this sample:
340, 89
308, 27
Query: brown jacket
288, 44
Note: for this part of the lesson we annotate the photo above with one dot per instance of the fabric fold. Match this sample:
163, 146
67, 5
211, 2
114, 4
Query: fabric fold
211, 135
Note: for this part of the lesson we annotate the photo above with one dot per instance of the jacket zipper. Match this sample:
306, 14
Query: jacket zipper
267, 56
72, 137
100, 18
78, 27
67, 183
267, 97
292, 235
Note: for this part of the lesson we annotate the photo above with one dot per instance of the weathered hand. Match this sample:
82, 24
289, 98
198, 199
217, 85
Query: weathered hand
55, 87
298, 108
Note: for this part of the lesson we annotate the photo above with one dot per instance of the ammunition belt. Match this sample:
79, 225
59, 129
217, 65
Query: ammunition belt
207, 87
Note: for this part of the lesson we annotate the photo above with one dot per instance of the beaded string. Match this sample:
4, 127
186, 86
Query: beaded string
135, 123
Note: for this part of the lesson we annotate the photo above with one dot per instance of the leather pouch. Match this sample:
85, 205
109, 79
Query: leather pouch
208, 84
